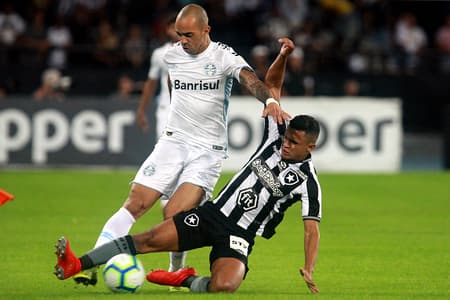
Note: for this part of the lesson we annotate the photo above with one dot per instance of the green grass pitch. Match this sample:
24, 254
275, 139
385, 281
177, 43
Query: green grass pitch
383, 236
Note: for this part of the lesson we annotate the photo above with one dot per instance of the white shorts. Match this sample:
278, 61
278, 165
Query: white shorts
162, 114
174, 162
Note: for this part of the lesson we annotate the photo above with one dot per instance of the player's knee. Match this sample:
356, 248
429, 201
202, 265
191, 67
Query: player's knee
137, 203
170, 210
145, 242
134, 206
225, 286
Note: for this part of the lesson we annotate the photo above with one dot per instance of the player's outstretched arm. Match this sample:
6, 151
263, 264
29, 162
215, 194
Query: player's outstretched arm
273, 83
275, 74
258, 89
148, 93
311, 248
307, 277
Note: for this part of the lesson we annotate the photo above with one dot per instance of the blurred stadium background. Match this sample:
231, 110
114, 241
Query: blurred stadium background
96, 54
375, 72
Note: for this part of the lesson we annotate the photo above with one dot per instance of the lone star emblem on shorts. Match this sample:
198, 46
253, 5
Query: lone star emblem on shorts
191, 220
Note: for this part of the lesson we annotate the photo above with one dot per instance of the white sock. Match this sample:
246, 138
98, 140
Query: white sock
118, 225
163, 202
177, 260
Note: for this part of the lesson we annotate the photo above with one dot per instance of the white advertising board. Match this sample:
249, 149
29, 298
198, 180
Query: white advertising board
357, 134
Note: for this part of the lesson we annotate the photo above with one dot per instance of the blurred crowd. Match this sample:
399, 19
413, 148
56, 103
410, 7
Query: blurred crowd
350, 36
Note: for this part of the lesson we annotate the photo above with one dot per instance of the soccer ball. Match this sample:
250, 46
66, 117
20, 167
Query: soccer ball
124, 273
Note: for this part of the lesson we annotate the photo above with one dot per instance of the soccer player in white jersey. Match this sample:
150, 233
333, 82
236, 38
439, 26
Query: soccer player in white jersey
157, 77
187, 160
253, 203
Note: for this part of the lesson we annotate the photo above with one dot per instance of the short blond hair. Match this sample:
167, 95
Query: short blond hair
196, 11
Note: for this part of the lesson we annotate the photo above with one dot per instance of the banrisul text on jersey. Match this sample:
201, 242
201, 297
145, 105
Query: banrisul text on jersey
196, 86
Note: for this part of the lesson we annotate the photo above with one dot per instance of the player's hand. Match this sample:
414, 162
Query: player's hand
276, 112
307, 277
287, 46
141, 120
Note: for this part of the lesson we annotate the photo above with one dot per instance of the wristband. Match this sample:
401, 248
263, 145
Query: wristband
271, 100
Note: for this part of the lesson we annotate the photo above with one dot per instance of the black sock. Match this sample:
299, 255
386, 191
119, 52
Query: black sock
103, 253
200, 284
86, 262
188, 281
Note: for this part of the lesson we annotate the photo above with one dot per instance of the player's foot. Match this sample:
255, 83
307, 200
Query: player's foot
87, 277
170, 278
67, 263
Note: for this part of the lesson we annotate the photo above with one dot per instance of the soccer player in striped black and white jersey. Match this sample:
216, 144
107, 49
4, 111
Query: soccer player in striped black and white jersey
279, 174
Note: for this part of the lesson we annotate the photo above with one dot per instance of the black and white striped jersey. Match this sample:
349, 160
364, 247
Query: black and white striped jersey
258, 195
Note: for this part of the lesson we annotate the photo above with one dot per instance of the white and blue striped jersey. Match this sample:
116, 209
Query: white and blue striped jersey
201, 87
256, 198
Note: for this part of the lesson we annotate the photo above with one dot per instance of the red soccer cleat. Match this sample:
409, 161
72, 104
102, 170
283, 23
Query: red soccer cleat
170, 278
68, 264
5, 196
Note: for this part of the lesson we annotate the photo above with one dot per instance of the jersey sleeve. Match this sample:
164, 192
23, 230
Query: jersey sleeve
233, 62
156, 65
311, 195
274, 129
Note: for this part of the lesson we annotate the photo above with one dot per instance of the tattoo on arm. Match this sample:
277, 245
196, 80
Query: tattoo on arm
255, 86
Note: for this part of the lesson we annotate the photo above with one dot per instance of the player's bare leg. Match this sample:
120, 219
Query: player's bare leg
227, 274
139, 201
187, 196
176, 259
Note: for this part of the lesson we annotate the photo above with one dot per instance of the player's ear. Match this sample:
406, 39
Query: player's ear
207, 29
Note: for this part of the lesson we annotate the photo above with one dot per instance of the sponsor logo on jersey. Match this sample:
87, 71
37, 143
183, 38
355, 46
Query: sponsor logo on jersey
196, 86
247, 199
269, 180
239, 244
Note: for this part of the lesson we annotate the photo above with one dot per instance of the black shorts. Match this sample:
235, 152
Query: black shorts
204, 226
